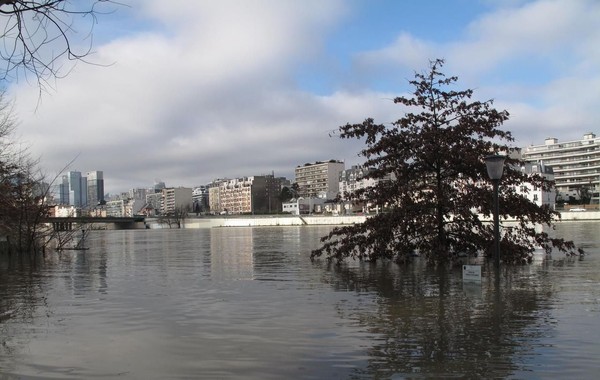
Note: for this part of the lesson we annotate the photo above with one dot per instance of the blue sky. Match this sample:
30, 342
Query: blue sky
189, 91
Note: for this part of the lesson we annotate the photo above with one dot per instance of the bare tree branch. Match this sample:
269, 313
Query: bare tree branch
36, 36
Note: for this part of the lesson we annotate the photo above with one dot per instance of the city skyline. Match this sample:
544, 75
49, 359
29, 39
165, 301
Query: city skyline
195, 91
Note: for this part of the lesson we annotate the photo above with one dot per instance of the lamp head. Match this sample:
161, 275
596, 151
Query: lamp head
495, 166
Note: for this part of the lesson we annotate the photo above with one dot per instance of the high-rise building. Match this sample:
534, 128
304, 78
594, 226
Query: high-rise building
77, 189
319, 179
63, 190
95, 188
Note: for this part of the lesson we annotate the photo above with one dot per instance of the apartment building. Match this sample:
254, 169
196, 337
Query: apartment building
319, 179
353, 179
246, 195
200, 198
576, 163
154, 202
535, 194
124, 207
214, 201
176, 198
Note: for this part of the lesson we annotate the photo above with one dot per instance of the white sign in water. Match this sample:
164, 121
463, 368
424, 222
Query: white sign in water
472, 273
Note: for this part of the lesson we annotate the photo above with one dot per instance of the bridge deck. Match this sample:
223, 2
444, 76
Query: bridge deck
93, 219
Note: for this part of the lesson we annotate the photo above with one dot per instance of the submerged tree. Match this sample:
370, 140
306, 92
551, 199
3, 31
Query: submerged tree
438, 201
22, 191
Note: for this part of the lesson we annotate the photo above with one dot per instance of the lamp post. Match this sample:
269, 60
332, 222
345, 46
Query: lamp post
495, 168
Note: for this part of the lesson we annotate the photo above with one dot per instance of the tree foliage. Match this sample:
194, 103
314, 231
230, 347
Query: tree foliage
38, 34
439, 199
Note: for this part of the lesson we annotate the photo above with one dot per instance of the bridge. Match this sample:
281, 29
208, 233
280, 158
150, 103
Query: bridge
67, 223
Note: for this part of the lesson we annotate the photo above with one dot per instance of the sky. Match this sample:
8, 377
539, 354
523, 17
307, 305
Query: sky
188, 91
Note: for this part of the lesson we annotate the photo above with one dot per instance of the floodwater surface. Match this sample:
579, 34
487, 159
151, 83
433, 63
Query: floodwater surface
247, 303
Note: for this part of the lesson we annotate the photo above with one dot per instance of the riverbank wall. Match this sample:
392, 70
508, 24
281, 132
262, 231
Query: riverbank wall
270, 221
314, 220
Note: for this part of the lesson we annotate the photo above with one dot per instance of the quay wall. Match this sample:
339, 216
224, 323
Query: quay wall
294, 220
264, 221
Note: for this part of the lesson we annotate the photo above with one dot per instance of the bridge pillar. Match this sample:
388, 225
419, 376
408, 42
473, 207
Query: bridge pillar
62, 226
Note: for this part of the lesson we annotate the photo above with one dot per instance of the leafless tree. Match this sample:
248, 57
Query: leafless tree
175, 218
37, 35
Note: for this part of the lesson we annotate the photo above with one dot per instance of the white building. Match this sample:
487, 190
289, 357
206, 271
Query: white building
176, 198
576, 163
124, 207
303, 206
538, 195
319, 179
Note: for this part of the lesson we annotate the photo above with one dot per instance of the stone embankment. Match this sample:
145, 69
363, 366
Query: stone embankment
266, 221
313, 220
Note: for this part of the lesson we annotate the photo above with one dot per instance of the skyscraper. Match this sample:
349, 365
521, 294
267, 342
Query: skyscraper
63, 191
77, 189
95, 188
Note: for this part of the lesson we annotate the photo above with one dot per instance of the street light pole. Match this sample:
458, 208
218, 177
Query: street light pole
495, 183
495, 168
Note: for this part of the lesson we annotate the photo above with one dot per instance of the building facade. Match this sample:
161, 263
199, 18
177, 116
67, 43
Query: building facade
95, 188
319, 179
124, 207
176, 199
214, 200
154, 202
63, 190
77, 189
576, 164
246, 195
200, 198
534, 194
354, 179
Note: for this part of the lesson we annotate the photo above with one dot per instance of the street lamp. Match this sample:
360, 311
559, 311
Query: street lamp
495, 168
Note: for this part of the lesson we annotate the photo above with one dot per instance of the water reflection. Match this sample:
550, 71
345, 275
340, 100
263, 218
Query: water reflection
425, 324
248, 303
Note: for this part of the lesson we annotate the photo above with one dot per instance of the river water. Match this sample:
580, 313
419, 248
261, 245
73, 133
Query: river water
247, 303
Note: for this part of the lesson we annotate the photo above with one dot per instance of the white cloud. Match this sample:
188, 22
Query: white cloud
210, 91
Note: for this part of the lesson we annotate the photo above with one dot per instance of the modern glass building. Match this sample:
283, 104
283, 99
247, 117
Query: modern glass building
95, 188
77, 189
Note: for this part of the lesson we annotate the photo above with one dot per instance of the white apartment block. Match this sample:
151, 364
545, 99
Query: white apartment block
124, 207
319, 179
176, 198
354, 179
576, 163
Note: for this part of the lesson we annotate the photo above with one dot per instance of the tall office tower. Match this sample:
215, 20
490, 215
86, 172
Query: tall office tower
95, 188
63, 191
77, 189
